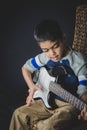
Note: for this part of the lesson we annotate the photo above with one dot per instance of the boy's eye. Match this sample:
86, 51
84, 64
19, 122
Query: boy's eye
45, 50
53, 47
56, 46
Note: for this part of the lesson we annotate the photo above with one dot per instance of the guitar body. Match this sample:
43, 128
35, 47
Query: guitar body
44, 80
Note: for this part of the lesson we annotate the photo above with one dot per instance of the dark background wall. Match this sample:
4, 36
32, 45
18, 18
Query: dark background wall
17, 21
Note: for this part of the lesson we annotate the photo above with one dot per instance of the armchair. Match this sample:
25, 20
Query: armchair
80, 44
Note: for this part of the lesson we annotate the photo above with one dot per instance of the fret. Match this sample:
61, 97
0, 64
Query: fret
58, 90
76, 102
71, 99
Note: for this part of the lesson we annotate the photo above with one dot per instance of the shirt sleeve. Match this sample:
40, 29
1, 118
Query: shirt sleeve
36, 62
82, 76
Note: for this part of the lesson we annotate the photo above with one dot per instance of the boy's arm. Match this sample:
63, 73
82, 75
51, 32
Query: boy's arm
32, 87
83, 114
84, 98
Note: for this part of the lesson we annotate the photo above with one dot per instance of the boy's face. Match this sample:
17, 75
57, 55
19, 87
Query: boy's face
53, 50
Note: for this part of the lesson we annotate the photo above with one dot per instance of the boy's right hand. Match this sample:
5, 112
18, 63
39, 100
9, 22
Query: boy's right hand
30, 98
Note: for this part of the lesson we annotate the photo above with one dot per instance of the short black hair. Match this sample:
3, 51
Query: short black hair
48, 30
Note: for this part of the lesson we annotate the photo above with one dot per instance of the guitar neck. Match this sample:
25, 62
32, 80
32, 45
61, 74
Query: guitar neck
67, 96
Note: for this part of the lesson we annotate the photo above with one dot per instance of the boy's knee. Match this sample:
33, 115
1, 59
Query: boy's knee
16, 112
19, 114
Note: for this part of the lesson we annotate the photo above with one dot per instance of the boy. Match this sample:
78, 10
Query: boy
35, 115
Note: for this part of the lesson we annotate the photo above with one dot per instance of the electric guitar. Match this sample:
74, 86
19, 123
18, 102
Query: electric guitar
48, 84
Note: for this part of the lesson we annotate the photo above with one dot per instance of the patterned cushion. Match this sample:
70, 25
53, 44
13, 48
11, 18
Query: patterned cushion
80, 43
80, 34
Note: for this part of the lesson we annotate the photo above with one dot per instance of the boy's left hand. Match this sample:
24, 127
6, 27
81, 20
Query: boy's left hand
83, 114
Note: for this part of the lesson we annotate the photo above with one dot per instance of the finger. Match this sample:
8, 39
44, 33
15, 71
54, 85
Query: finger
86, 116
82, 113
27, 103
79, 117
30, 101
40, 88
85, 109
85, 113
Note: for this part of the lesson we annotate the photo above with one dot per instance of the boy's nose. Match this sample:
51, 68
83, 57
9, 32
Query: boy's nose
52, 52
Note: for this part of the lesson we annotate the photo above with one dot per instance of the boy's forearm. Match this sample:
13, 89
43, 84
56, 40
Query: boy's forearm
84, 98
83, 114
27, 77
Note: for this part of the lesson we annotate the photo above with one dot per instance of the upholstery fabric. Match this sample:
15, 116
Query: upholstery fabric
80, 34
80, 44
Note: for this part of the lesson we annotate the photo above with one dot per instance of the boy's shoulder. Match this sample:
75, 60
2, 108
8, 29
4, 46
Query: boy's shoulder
42, 57
77, 56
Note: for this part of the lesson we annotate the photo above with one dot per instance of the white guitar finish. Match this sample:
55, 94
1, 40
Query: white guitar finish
44, 80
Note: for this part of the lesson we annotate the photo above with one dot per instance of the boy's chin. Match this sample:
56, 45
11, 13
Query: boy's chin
54, 60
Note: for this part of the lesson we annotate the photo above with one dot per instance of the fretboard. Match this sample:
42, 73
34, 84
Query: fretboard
67, 96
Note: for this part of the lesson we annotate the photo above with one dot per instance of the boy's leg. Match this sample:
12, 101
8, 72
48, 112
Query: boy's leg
38, 117
63, 118
25, 118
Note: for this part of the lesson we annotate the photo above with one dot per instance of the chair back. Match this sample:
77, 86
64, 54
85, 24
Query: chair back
80, 34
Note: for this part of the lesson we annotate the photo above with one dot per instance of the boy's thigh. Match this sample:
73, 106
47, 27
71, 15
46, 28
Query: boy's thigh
62, 118
66, 111
36, 111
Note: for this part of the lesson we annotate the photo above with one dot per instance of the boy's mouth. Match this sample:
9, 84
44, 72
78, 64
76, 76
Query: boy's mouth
55, 58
